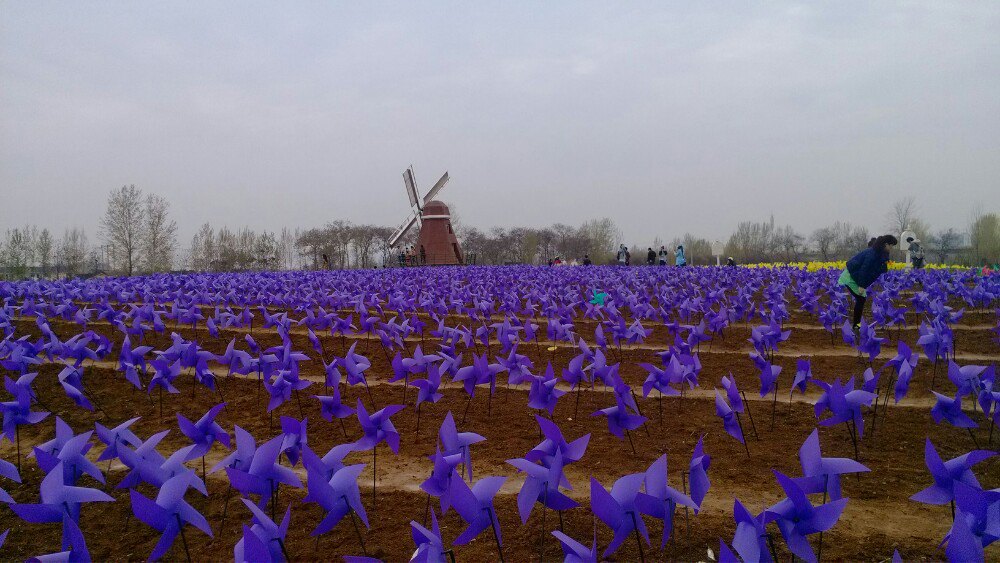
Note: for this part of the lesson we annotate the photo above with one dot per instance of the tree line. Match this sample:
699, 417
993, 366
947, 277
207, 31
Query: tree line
137, 235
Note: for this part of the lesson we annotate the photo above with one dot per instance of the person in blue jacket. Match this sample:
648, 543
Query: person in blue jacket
679, 259
863, 269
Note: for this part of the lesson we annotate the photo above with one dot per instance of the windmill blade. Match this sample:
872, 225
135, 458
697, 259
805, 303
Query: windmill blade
404, 229
437, 187
411, 187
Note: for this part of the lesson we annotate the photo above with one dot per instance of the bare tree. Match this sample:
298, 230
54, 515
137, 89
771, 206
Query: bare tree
71, 252
123, 227
902, 214
984, 237
159, 241
825, 238
18, 252
203, 248
945, 243
44, 250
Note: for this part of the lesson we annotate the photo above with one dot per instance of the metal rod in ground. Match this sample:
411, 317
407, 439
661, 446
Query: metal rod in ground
635, 528
973, 436
740, 423
183, 537
687, 521
746, 405
774, 404
629, 434
358, 532
225, 509
638, 409
374, 449
496, 535
541, 531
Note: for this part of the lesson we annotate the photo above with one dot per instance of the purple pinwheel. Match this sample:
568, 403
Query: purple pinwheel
975, 526
730, 422
698, 473
660, 380
203, 433
480, 372
330, 407
8, 470
338, 495
803, 374
750, 540
844, 403
169, 513
543, 394
555, 443
475, 506
868, 342
947, 473
430, 546
620, 420
847, 331
264, 541
77, 547
541, 484
797, 518
517, 366
294, 438
242, 456
115, 437
822, 474
428, 390
574, 551
966, 378
454, 442
660, 499
59, 503
377, 428
439, 483
264, 474
618, 510
949, 409
70, 450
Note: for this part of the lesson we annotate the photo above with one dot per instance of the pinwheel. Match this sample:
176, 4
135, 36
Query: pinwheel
844, 403
949, 409
428, 390
803, 374
331, 407
131, 360
455, 442
264, 541
975, 524
660, 500
59, 503
419, 363
618, 510
751, 538
70, 450
430, 546
543, 394
203, 433
377, 428
966, 378
17, 413
438, 484
480, 372
768, 381
475, 506
822, 474
169, 513
165, 372
947, 473
660, 380
935, 340
294, 438
730, 420
698, 473
797, 518
554, 443
542, 485
738, 402
869, 343
620, 420
265, 474
338, 495
8, 470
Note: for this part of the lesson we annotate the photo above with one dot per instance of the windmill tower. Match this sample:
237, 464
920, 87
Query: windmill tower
437, 244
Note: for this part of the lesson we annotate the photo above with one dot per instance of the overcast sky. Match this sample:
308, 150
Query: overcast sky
666, 117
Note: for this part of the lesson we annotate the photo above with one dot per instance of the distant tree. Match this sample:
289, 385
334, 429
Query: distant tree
825, 239
71, 252
123, 227
791, 243
159, 240
17, 253
203, 249
851, 239
944, 244
902, 215
984, 237
44, 248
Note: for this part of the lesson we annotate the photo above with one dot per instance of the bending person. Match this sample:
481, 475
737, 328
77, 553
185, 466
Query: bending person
864, 269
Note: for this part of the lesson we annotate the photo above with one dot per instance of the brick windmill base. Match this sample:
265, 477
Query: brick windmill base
437, 244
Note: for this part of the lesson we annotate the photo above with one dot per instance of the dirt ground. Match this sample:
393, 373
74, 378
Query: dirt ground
878, 519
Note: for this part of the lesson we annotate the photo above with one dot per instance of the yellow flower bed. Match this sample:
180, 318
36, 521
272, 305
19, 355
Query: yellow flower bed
841, 264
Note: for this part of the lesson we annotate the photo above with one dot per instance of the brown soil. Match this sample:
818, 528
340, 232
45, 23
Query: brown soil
879, 517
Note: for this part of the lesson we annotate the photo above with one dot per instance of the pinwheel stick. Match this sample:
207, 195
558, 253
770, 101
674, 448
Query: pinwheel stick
225, 509
576, 411
635, 528
183, 537
629, 435
17, 438
418, 424
854, 438
774, 404
374, 474
746, 405
973, 436
638, 409
496, 534
687, 521
354, 522
740, 423
541, 532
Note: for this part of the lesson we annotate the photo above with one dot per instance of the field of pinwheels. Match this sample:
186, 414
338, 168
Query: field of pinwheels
504, 413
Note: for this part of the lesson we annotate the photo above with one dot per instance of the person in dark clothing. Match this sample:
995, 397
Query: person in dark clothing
586, 260
916, 252
730, 262
862, 271
650, 257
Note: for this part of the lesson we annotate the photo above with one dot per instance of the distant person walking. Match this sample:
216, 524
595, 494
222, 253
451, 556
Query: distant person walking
650, 257
586, 260
862, 271
916, 253
679, 259
662, 254
622, 256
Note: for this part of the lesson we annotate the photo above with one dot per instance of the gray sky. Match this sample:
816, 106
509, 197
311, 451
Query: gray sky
667, 117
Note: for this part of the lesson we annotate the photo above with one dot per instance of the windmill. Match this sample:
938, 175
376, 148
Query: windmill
436, 241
